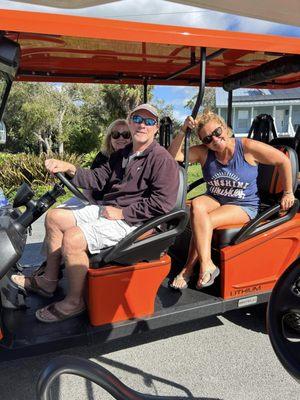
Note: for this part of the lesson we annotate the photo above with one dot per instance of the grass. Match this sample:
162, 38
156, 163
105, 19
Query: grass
194, 173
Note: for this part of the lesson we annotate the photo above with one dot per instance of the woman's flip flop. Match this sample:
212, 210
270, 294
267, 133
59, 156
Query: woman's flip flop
213, 275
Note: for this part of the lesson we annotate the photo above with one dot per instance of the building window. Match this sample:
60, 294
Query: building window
243, 120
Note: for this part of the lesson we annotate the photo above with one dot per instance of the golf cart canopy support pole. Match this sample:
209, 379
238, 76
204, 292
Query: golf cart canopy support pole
229, 109
5, 97
196, 106
145, 84
193, 65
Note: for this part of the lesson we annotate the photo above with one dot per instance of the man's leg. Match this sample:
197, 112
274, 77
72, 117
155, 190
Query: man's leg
94, 235
74, 252
57, 222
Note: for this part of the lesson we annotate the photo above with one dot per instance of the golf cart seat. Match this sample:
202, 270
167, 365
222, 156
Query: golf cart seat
293, 142
270, 191
151, 239
123, 280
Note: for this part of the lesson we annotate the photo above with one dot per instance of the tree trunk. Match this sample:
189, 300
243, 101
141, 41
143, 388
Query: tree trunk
40, 142
61, 148
60, 130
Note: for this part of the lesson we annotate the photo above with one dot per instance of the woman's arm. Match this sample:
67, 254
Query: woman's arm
196, 153
265, 154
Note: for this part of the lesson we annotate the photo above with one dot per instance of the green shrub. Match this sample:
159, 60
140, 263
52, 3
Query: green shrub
88, 158
18, 168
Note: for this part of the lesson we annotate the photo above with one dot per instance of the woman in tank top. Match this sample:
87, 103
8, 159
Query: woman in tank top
229, 167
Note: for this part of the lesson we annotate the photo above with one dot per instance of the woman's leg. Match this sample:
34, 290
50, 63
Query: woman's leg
209, 204
203, 224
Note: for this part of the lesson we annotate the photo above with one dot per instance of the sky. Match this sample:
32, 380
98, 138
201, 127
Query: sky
166, 12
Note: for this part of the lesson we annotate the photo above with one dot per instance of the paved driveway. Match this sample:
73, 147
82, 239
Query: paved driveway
217, 358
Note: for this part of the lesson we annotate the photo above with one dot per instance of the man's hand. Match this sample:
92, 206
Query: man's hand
110, 212
52, 165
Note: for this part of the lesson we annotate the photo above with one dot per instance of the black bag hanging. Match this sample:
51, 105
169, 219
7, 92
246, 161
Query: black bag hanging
165, 132
262, 128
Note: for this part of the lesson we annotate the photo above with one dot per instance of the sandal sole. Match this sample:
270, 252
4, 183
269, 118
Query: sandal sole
60, 317
214, 275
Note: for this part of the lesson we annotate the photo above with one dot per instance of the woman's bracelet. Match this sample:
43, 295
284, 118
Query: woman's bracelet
287, 192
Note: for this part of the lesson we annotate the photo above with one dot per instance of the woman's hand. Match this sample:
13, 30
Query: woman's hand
188, 123
287, 200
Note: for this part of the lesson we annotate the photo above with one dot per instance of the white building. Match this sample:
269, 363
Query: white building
283, 105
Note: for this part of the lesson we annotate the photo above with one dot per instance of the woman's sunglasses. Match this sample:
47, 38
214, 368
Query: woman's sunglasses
116, 134
208, 139
137, 119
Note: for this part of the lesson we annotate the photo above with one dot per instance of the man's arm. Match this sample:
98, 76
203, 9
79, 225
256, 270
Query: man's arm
163, 193
94, 179
81, 177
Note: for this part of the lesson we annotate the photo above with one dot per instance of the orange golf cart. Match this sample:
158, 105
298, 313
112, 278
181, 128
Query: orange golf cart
128, 286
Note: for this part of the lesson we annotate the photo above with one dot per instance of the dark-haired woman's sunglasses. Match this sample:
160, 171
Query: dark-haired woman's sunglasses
208, 139
116, 134
137, 119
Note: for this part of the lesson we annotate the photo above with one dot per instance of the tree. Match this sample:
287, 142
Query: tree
40, 119
36, 117
15, 115
49, 118
209, 100
86, 124
120, 99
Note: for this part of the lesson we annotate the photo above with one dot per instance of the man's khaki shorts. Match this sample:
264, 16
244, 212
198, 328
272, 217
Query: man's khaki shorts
99, 232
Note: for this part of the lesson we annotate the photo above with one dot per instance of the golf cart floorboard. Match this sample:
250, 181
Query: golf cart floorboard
25, 336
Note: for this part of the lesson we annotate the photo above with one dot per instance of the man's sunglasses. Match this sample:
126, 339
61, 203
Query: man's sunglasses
116, 134
137, 119
208, 139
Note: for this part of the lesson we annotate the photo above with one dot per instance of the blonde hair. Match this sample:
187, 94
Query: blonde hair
208, 116
107, 148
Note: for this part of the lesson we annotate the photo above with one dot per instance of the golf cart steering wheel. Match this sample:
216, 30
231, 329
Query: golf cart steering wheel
72, 188
283, 318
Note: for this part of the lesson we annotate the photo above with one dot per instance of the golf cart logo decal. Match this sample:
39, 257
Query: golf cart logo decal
247, 290
228, 185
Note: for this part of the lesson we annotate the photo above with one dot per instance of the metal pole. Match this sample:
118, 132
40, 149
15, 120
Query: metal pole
194, 64
5, 96
145, 90
229, 109
196, 106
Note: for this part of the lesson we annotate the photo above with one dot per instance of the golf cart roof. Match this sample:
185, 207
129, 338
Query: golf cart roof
269, 10
68, 48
